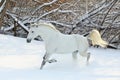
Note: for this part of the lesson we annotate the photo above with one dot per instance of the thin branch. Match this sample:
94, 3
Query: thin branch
9, 28
94, 24
67, 11
45, 4
59, 23
18, 21
2, 7
114, 18
93, 12
108, 12
114, 37
52, 11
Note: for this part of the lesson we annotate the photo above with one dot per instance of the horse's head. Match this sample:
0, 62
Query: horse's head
33, 32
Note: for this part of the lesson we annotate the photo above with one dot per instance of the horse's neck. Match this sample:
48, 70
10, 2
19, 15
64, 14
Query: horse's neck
48, 34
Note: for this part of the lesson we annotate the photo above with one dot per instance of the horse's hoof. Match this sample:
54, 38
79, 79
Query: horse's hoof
41, 67
52, 60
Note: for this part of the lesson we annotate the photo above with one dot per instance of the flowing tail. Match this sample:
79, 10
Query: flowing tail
96, 39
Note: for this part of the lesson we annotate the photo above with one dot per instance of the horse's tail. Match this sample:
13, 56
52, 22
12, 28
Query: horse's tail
96, 39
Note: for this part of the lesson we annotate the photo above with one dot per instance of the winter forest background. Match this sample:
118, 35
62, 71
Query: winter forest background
69, 16
21, 61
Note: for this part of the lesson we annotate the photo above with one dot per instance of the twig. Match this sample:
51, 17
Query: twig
93, 12
114, 18
3, 5
52, 11
114, 36
115, 1
45, 4
18, 21
59, 23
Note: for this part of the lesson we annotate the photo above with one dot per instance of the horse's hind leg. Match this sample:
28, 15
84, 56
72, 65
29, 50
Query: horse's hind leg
45, 59
88, 57
74, 54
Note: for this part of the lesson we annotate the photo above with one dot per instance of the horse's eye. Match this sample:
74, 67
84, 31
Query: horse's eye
32, 31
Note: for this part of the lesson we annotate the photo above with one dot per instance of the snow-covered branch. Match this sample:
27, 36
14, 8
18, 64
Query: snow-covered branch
67, 11
59, 23
108, 12
93, 12
52, 11
18, 21
9, 28
44, 4
3, 5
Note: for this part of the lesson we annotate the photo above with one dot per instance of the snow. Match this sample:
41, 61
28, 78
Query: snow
21, 61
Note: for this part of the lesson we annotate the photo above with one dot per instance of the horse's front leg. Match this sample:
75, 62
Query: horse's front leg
45, 59
52, 60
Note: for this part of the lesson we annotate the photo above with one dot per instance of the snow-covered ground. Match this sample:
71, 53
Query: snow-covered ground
21, 61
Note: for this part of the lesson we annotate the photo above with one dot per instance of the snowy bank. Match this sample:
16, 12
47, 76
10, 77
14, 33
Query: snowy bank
21, 61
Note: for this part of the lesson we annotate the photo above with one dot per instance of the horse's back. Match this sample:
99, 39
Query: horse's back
78, 39
82, 42
66, 43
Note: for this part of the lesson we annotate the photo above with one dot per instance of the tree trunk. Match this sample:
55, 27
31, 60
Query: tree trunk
2, 13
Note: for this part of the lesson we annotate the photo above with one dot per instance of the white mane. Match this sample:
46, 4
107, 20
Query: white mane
45, 24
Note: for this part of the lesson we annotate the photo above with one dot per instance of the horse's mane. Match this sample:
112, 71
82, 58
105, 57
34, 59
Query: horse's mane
46, 24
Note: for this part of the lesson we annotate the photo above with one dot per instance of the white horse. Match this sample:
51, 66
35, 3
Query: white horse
56, 42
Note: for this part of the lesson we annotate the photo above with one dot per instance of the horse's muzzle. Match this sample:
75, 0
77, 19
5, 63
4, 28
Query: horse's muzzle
28, 40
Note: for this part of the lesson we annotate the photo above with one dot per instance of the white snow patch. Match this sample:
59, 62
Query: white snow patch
21, 61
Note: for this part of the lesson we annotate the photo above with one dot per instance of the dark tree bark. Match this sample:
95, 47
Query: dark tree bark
4, 3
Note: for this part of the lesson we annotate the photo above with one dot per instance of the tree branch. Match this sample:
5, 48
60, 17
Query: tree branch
114, 18
93, 12
58, 23
45, 4
52, 11
118, 33
3, 5
115, 1
18, 21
